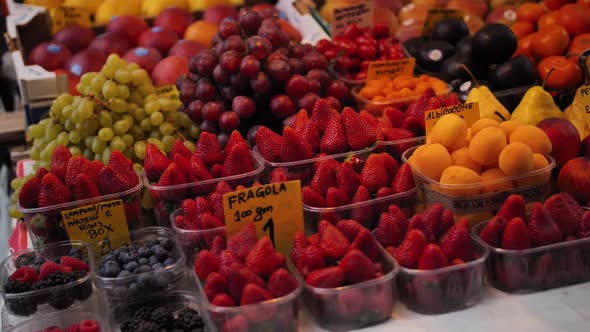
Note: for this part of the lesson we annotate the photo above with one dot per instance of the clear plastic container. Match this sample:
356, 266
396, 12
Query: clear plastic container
355, 306
123, 289
44, 225
540, 268
279, 314
397, 148
367, 213
37, 302
193, 241
467, 199
167, 199
61, 319
444, 290
349, 81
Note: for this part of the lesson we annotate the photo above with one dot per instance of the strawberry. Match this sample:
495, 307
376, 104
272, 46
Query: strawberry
447, 221
432, 258
121, 164
333, 163
242, 242
513, 207
399, 216
357, 267
155, 162
394, 115
281, 259
301, 119
281, 283
206, 263
84, 188
390, 165
198, 169
261, 257
202, 205
404, 179
309, 259
432, 104
347, 179
94, 170
367, 244
457, 244
215, 284
334, 138
268, 144
89, 325
238, 277
179, 148
349, 303
189, 210
413, 124
369, 118
492, 232
515, 235
25, 274
238, 160
349, 228
451, 100
565, 211
432, 217
53, 192
321, 114
226, 260
333, 243
323, 178
59, 161
28, 195
278, 174
387, 233
49, 268
184, 166
112, 182
418, 107
329, 277
208, 149
293, 147
374, 175
234, 138
223, 300
544, 272
359, 133
310, 134
312, 198
336, 197
74, 263
409, 252
584, 230
418, 222
237, 323
299, 244
542, 229
218, 245
254, 294
400, 140
171, 177
75, 166
384, 123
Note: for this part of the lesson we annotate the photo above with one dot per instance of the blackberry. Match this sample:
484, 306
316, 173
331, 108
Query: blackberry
61, 300
189, 320
144, 313
162, 316
56, 279
15, 287
23, 306
82, 291
139, 325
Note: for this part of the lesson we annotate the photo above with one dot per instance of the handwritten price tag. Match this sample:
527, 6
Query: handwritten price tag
438, 14
360, 14
170, 91
468, 112
275, 209
97, 222
584, 93
390, 68
64, 16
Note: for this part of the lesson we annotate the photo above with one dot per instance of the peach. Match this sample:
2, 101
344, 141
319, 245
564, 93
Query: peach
493, 175
516, 159
109, 43
432, 161
458, 175
461, 157
175, 19
564, 134
534, 137
481, 124
169, 69
129, 26
159, 38
450, 131
75, 37
485, 147
574, 178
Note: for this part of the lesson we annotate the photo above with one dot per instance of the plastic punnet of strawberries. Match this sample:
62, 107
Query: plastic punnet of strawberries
88, 325
547, 248
347, 274
240, 277
442, 266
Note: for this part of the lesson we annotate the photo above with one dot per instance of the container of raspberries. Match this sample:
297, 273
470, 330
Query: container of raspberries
546, 248
442, 266
187, 174
79, 320
322, 134
349, 279
73, 182
50, 278
247, 286
152, 263
176, 311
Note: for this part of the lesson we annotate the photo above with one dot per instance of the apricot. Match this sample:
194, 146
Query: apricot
534, 137
539, 162
461, 157
450, 131
510, 126
458, 175
483, 123
432, 161
494, 175
486, 145
516, 159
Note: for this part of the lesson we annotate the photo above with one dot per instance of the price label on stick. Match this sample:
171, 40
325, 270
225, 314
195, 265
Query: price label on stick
584, 95
468, 112
97, 222
390, 68
64, 16
275, 209
360, 14
435, 15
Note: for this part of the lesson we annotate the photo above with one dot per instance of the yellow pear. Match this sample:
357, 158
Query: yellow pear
91, 5
576, 114
45, 3
155, 7
536, 105
196, 5
110, 8
489, 106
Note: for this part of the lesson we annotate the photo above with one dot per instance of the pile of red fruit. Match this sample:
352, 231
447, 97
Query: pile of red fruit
249, 271
352, 52
559, 219
88, 325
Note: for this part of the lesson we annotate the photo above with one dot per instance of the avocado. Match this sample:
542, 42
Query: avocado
413, 45
433, 53
518, 71
463, 47
493, 43
450, 30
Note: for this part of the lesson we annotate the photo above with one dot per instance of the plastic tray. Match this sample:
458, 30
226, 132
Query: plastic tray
193, 241
168, 198
444, 290
540, 268
534, 188
38, 302
61, 319
44, 225
350, 82
397, 148
123, 289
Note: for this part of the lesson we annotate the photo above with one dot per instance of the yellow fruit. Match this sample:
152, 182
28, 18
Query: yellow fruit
539, 162
481, 124
485, 147
432, 161
202, 32
461, 157
516, 159
458, 175
450, 131
91, 5
510, 126
155, 7
494, 175
110, 8
45, 3
428, 139
194, 5
534, 137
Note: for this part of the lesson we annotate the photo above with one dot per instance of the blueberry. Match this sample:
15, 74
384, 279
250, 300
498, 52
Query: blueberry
151, 243
153, 260
143, 268
145, 281
157, 266
161, 280
131, 266
133, 289
124, 274
76, 252
107, 257
144, 261
167, 243
111, 269
144, 252
160, 253
169, 261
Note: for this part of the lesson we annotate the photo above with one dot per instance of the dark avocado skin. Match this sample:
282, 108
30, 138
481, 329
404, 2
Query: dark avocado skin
433, 54
413, 45
515, 72
493, 43
450, 30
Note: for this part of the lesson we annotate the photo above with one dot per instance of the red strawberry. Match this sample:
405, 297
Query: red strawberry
75, 166
544, 274
25, 274
565, 211
226, 260
59, 161
309, 259
329, 277
336, 197
399, 140
299, 243
112, 182
394, 115
457, 244
208, 149
281, 259
237, 323
53, 192
123, 165
198, 169
49, 268
349, 303
359, 133
84, 188
89, 325
451, 100
347, 179
238, 160
293, 147
94, 170
215, 284
242, 242
310, 134
301, 119
357, 267
413, 124
418, 107
367, 244
28, 195
261, 257
433, 216
281, 283
209, 221
278, 175
404, 180
409, 252
399, 216
234, 138
223, 300
584, 230
492, 232
432, 258
369, 118
334, 138
418, 222
254, 294
155, 162
321, 114
542, 229
74, 263
184, 166
202, 205
323, 178
171, 176
513, 207
205, 263
179, 148
217, 245
268, 144
515, 235
333, 243
238, 277
374, 174
362, 194
447, 221
387, 233
312, 198
349, 228
390, 165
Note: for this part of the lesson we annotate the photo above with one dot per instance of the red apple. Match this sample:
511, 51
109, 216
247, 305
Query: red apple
159, 38
146, 58
49, 55
502, 14
109, 43
85, 61
129, 26
186, 48
169, 69
75, 37
217, 13
175, 19
585, 149
574, 178
564, 138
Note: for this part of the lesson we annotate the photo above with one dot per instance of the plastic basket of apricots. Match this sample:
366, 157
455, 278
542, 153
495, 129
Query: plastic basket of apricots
470, 170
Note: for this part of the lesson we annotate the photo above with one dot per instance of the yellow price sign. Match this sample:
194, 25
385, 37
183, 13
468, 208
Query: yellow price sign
276, 210
360, 14
169, 90
97, 222
584, 93
390, 68
64, 16
468, 112
436, 15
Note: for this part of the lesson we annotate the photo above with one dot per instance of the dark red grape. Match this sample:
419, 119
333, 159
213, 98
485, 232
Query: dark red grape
308, 101
278, 70
209, 126
234, 43
228, 27
204, 62
261, 84
222, 138
251, 135
342, 64
212, 110
249, 20
205, 90
244, 106
323, 45
228, 92
188, 91
338, 90
319, 75
240, 82
275, 35
314, 86
195, 110
267, 12
297, 66
230, 61
219, 49
308, 48
296, 51
270, 22
220, 76
282, 106
335, 103
276, 55
331, 53
249, 66
314, 60
296, 86
349, 47
229, 121
259, 47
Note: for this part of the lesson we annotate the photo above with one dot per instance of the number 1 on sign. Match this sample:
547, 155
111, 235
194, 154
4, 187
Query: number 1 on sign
270, 226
